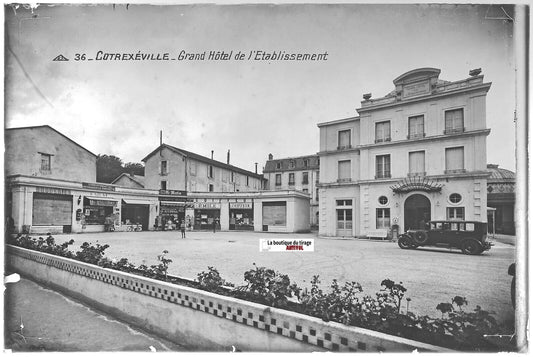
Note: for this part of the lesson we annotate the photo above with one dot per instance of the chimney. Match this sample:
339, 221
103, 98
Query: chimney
228, 156
256, 167
270, 157
212, 151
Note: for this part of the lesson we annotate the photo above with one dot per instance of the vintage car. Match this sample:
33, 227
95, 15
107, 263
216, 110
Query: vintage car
469, 236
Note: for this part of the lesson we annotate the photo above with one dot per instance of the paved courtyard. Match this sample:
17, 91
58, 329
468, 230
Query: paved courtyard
430, 275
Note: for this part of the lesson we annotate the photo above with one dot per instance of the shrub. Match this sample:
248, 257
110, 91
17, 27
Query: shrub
268, 287
211, 280
91, 254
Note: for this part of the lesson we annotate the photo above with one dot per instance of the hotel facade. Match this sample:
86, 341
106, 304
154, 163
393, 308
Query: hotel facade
414, 155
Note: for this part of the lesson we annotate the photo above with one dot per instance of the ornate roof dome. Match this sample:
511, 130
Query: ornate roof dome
497, 174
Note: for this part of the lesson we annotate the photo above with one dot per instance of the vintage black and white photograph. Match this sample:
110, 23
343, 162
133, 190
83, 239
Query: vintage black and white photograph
264, 177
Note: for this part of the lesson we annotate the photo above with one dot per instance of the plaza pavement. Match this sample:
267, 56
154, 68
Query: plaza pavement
431, 275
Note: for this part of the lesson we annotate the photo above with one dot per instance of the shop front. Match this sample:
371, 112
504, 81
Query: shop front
206, 214
171, 213
136, 212
98, 210
241, 216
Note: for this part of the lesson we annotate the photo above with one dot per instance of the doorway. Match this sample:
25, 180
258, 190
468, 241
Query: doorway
417, 210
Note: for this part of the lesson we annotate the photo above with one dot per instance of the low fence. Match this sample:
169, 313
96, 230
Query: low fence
195, 318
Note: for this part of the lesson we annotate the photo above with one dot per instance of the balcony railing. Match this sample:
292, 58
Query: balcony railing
278, 183
416, 136
344, 179
454, 131
343, 147
383, 175
454, 171
415, 174
382, 140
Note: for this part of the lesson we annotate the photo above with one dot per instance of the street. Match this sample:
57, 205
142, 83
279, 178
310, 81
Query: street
431, 275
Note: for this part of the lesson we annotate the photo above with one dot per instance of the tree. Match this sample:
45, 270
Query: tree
108, 168
134, 168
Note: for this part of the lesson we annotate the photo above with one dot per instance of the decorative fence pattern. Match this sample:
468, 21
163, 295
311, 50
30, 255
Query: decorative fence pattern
304, 329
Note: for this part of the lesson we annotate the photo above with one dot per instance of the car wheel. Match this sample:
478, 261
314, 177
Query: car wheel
405, 242
471, 247
420, 237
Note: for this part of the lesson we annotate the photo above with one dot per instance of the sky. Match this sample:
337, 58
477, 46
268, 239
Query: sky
252, 108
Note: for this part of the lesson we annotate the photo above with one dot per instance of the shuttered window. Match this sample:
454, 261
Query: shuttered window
383, 166
275, 213
344, 139
416, 126
51, 210
345, 169
417, 163
454, 121
383, 131
455, 159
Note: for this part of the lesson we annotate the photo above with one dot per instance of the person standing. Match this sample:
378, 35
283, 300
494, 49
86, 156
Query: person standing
182, 228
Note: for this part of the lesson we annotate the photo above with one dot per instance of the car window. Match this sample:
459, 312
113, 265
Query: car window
470, 227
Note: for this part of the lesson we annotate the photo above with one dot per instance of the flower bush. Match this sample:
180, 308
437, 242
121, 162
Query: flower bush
456, 328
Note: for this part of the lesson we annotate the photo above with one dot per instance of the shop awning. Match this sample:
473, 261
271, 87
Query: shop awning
137, 202
171, 203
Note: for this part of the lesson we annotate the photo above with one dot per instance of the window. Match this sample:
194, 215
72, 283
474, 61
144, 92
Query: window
344, 139
232, 177
382, 218
344, 170
383, 166
164, 168
416, 127
193, 168
278, 179
455, 160
382, 131
247, 181
210, 171
317, 177
306, 162
316, 196
305, 190
278, 165
211, 187
457, 213
344, 202
383, 200
46, 162
455, 198
454, 121
417, 165
305, 178
163, 185
291, 179
292, 164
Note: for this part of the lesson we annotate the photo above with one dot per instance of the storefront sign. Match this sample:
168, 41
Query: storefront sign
102, 203
174, 199
96, 186
241, 205
173, 192
56, 191
206, 205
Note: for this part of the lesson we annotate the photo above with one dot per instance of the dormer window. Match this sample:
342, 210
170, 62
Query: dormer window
278, 165
291, 164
